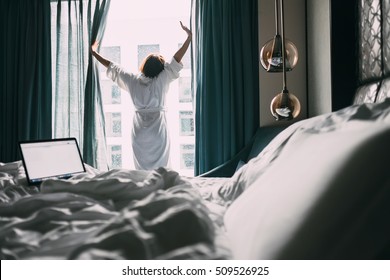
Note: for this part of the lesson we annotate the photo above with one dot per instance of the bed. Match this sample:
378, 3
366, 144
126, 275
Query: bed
119, 214
320, 189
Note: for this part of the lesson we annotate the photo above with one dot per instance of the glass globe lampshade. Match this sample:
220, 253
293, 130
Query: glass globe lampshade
285, 106
271, 55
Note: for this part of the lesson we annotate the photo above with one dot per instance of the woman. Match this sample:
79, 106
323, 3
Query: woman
148, 89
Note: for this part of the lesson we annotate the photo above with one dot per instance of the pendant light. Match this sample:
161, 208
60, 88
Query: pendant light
271, 53
285, 105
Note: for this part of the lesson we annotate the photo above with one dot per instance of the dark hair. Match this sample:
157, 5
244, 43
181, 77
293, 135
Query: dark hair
152, 65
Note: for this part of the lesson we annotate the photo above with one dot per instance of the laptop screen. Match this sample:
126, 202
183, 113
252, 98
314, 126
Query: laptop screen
56, 158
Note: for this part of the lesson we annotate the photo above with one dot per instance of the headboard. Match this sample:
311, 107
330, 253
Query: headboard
373, 51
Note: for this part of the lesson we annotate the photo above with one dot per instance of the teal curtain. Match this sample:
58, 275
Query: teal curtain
226, 78
94, 148
25, 74
77, 94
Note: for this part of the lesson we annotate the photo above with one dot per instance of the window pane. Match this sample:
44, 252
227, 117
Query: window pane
185, 89
187, 153
113, 124
145, 50
111, 93
186, 123
111, 53
115, 155
115, 95
186, 60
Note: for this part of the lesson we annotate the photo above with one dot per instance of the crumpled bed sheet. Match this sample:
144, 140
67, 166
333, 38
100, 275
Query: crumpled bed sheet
119, 214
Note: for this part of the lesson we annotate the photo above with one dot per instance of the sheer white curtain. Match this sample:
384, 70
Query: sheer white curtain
76, 90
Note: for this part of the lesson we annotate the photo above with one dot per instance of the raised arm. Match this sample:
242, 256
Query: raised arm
105, 62
181, 52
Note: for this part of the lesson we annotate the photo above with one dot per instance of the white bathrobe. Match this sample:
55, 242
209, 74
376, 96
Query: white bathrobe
150, 137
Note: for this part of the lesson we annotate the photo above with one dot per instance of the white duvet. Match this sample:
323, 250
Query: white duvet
120, 214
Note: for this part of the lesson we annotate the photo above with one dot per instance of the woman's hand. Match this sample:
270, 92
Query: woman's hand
185, 28
181, 52
94, 47
105, 62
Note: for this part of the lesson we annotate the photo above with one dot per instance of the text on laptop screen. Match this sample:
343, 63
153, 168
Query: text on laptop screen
51, 159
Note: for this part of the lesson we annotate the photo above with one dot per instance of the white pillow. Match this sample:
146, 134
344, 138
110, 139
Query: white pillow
320, 198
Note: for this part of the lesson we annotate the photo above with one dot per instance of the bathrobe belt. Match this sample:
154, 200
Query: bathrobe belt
150, 110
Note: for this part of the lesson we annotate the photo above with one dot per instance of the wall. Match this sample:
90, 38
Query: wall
332, 48
319, 57
272, 83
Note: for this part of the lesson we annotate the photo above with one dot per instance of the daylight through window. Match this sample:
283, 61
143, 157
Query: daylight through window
133, 31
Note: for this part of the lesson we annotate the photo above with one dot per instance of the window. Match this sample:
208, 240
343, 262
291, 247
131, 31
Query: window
187, 153
111, 93
185, 90
186, 59
133, 31
115, 156
112, 53
145, 50
113, 124
186, 123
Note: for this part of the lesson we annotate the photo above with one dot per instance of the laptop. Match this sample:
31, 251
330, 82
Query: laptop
51, 159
